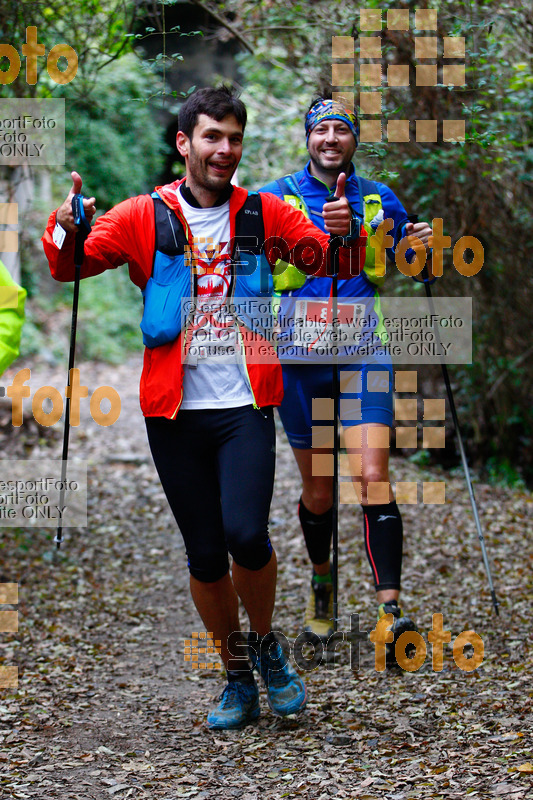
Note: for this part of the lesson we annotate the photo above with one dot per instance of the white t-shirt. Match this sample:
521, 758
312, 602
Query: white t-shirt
214, 375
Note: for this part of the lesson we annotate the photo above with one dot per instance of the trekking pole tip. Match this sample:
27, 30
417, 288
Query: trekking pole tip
495, 603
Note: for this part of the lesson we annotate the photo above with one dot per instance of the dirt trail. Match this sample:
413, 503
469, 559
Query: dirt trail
107, 707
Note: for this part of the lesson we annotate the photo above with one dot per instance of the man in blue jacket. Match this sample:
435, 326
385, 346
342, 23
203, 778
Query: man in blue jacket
366, 372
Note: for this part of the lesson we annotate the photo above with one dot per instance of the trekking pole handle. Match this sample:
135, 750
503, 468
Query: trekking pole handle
425, 272
334, 244
84, 228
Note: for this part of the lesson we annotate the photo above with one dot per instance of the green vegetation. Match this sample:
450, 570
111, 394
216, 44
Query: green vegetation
481, 187
112, 140
111, 137
108, 323
108, 327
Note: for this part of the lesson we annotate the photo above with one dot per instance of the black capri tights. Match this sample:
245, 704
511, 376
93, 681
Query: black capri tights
217, 471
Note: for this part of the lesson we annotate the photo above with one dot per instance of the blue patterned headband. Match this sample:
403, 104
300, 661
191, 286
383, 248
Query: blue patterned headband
330, 109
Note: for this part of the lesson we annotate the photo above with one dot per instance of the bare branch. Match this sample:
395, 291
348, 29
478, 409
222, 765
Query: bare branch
225, 24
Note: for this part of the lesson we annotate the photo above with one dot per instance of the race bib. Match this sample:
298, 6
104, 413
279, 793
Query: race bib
313, 325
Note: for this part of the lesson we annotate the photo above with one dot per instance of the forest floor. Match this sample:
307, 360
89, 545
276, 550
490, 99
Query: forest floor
106, 705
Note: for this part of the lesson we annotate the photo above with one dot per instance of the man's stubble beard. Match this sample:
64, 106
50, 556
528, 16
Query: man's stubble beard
334, 170
200, 174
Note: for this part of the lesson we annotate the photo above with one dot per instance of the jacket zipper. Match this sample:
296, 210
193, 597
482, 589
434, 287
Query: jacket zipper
172, 227
243, 353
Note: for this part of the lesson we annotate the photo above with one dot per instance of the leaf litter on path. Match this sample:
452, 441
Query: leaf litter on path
107, 707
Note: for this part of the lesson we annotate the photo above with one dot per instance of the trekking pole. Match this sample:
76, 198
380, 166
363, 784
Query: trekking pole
457, 431
334, 244
84, 228
334, 253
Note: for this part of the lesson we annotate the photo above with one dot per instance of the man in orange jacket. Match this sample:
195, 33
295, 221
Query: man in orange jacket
202, 251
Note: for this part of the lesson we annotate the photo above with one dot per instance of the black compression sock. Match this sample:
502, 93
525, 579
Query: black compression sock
384, 542
254, 640
259, 645
244, 675
317, 529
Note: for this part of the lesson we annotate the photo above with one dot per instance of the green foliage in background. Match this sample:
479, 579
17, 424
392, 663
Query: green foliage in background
111, 137
96, 30
109, 326
481, 187
276, 103
115, 144
108, 321
113, 141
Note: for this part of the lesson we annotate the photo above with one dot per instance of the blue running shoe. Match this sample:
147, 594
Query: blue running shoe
286, 692
239, 705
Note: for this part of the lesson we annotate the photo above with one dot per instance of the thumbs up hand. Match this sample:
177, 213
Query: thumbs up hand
64, 213
341, 184
337, 212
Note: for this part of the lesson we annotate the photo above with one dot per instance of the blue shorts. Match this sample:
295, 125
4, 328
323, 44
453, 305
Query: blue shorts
365, 396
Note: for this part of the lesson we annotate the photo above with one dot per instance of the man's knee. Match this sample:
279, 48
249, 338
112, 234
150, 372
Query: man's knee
318, 496
374, 474
250, 552
209, 569
375, 487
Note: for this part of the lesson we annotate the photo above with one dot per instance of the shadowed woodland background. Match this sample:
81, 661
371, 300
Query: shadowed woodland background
105, 705
138, 59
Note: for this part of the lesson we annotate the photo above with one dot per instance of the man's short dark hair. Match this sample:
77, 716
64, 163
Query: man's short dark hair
216, 103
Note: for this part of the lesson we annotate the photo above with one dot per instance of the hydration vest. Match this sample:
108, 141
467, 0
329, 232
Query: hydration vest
369, 206
287, 277
169, 295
